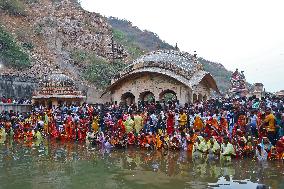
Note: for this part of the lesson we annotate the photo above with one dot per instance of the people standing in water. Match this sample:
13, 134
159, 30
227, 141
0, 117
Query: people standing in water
214, 129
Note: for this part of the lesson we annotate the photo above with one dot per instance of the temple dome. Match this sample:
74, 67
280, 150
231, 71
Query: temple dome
179, 59
57, 85
57, 79
180, 63
181, 66
162, 72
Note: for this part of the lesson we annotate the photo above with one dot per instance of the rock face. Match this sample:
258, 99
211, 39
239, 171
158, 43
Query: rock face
57, 29
19, 87
68, 27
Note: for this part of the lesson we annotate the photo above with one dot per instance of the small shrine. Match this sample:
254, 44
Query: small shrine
238, 83
56, 89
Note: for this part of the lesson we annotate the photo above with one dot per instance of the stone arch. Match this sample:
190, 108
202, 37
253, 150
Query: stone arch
128, 98
200, 98
204, 98
147, 96
168, 95
194, 97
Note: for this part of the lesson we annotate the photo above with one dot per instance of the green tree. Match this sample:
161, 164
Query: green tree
100, 72
13, 7
11, 53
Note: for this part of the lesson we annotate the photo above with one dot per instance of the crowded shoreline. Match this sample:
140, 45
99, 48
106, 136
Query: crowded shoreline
216, 129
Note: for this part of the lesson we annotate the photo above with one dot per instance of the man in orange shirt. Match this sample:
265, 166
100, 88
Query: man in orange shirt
269, 123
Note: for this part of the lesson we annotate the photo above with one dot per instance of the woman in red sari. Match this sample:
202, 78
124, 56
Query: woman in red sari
120, 125
82, 129
69, 127
170, 123
53, 131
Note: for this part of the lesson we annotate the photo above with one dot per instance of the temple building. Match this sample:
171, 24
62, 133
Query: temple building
163, 75
258, 90
56, 89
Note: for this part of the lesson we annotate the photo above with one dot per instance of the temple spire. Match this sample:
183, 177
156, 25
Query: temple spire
158, 47
176, 47
195, 57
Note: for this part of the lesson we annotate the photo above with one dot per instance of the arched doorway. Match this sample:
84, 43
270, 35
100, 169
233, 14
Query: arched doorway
128, 98
168, 96
194, 98
204, 98
147, 96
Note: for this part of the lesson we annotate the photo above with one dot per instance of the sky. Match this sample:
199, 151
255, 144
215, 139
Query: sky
244, 34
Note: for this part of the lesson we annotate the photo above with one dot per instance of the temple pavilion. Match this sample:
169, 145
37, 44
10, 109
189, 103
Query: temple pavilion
163, 75
57, 88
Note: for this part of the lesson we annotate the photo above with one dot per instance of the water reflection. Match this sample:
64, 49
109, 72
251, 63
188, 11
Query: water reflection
53, 164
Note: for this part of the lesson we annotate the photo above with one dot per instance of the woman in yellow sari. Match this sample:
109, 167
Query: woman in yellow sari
2, 135
199, 148
95, 123
129, 124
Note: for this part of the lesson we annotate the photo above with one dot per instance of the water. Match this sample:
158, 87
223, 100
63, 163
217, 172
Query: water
54, 164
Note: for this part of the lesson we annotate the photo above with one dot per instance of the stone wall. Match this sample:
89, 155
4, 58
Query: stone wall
17, 87
156, 84
200, 92
23, 87
95, 96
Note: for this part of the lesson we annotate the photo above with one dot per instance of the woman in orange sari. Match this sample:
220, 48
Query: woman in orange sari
214, 123
224, 124
198, 123
190, 142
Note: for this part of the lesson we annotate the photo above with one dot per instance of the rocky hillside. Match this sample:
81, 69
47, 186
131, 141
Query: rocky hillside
38, 36
219, 72
46, 34
138, 42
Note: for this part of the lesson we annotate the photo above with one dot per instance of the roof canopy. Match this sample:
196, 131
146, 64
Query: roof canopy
181, 63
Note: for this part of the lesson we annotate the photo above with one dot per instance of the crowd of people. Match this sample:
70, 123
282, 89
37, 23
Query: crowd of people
216, 129
6, 100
